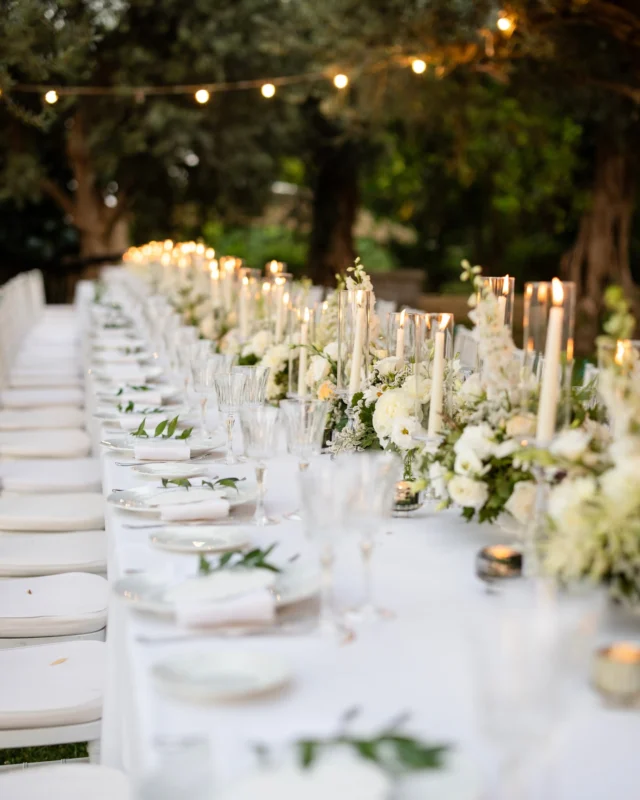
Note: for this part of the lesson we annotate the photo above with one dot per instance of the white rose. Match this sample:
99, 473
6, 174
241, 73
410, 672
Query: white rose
468, 463
521, 425
331, 350
478, 438
566, 499
471, 389
276, 357
387, 366
318, 369
467, 493
391, 404
570, 444
418, 388
403, 432
257, 345
520, 504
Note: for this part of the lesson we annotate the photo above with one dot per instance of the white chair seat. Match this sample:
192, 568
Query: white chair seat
37, 398
27, 554
47, 359
43, 380
51, 476
70, 443
52, 684
65, 782
53, 605
52, 512
36, 418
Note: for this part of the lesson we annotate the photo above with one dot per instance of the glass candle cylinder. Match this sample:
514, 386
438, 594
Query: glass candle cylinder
549, 320
249, 283
355, 310
432, 355
230, 267
302, 326
215, 289
280, 296
504, 289
400, 336
272, 268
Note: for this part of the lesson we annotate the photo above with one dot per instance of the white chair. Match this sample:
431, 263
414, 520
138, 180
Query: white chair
52, 694
38, 418
55, 607
28, 554
39, 398
45, 443
52, 512
64, 782
51, 476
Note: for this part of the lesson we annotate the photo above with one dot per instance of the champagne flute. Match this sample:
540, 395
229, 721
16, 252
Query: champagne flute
230, 391
260, 435
305, 423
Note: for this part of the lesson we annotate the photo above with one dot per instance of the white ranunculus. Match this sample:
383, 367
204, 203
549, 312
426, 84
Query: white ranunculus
520, 504
478, 438
392, 404
403, 432
471, 389
467, 492
570, 444
318, 369
566, 499
387, 366
331, 350
521, 425
506, 448
468, 463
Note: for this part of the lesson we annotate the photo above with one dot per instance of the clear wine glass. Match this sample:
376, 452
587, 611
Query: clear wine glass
260, 435
305, 422
230, 391
182, 766
256, 383
373, 476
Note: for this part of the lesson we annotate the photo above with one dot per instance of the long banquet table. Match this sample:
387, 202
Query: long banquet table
418, 662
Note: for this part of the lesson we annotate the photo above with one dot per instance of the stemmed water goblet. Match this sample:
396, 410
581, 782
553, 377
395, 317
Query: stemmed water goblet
203, 367
230, 391
256, 383
305, 422
372, 477
260, 436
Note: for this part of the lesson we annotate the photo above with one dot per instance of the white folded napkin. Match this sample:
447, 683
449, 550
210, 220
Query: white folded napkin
131, 422
208, 509
165, 450
129, 372
148, 398
257, 606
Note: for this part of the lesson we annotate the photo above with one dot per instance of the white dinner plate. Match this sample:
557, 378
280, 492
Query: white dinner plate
151, 499
121, 443
119, 343
205, 676
146, 374
111, 414
110, 395
153, 594
120, 356
202, 539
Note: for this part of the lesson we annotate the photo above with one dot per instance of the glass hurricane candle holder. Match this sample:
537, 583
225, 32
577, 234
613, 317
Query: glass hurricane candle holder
280, 298
302, 335
229, 267
432, 356
355, 310
400, 336
272, 268
549, 320
504, 289
247, 296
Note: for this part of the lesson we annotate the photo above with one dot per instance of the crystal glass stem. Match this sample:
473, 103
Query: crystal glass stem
296, 515
203, 417
366, 549
230, 458
326, 619
260, 517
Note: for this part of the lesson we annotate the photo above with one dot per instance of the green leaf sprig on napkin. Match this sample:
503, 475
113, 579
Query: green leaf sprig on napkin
237, 559
130, 408
186, 483
163, 430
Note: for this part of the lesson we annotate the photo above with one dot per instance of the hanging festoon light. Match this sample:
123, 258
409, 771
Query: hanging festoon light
341, 81
418, 66
505, 23
267, 90
51, 96
202, 96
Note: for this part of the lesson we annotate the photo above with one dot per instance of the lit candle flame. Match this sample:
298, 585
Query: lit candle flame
306, 315
245, 281
209, 253
285, 298
557, 292
444, 321
200, 248
402, 316
266, 287
624, 652
542, 293
505, 285
621, 348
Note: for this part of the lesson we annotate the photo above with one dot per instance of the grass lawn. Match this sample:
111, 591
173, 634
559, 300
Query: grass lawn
20, 755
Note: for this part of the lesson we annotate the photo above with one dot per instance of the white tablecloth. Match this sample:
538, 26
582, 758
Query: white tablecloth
424, 571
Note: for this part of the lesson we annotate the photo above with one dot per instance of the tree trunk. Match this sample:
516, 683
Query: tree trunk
600, 254
103, 230
335, 197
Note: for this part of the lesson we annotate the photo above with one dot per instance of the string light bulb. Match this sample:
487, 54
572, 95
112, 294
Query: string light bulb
268, 90
341, 81
51, 96
505, 24
202, 96
418, 66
